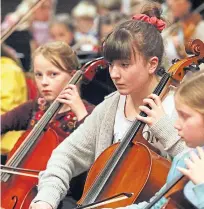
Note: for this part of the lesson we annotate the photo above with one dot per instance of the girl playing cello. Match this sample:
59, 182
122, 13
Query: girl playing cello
54, 64
133, 62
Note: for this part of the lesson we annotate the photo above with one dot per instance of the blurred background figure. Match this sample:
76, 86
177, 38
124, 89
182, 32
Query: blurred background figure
41, 20
84, 14
104, 7
132, 7
30, 33
108, 22
21, 39
13, 93
186, 22
62, 29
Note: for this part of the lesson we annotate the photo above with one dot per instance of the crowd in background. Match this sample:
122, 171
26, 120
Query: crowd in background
89, 21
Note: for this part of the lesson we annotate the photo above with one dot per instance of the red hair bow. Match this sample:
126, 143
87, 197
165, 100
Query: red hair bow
159, 24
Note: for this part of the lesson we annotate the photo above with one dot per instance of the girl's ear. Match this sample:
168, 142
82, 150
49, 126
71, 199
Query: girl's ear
153, 64
73, 72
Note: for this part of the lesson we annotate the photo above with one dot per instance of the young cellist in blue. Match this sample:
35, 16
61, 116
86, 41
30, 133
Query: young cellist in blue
189, 100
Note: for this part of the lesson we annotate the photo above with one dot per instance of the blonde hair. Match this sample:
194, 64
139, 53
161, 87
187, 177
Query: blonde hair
110, 5
191, 92
60, 55
84, 9
63, 19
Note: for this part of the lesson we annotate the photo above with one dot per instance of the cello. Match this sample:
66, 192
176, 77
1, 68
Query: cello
33, 150
131, 166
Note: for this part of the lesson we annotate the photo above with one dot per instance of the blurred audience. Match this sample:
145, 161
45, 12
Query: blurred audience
185, 24
62, 29
30, 33
104, 7
21, 39
84, 14
41, 20
108, 22
137, 6
90, 21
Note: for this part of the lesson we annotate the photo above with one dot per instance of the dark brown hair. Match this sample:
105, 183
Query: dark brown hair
132, 35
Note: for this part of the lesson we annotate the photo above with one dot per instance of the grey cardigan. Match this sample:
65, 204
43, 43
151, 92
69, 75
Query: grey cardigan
78, 152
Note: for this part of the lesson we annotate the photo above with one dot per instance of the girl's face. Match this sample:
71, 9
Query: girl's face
60, 32
131, 76
49, 79
190, 124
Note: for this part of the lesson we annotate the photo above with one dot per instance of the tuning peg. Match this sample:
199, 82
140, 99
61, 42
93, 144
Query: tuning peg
192, 67
175, 60
161, 71
200, 61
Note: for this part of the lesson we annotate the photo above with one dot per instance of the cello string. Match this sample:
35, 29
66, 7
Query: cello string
31, 138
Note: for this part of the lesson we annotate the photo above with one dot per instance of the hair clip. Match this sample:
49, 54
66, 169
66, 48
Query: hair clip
158, 23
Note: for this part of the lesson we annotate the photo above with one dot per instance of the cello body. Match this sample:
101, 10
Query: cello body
16, 187
140, 171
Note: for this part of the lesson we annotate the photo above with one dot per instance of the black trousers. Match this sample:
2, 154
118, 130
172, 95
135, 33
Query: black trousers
68, 203
75, 192
3, 159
